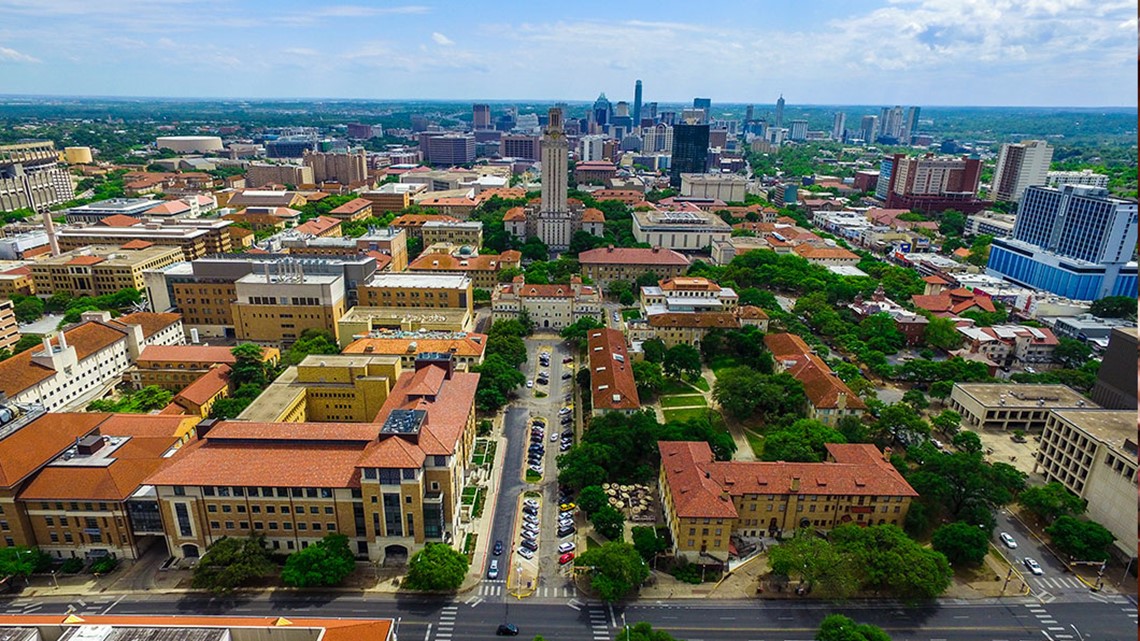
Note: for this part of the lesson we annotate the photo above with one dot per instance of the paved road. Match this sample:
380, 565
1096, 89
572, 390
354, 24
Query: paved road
475, 618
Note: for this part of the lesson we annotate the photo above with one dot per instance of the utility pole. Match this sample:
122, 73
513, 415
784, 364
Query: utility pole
1008, 576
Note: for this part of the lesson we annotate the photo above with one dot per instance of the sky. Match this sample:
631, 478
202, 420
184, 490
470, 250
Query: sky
925, 52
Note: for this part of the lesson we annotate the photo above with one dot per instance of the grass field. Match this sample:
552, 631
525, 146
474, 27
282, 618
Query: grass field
673, 386
627, 314
701, 384
685, 414
756, 442
688, 400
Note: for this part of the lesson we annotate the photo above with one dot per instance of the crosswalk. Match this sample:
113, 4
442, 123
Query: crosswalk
1050, 627
1058, 582
1129, 610
446, 625
599, 623
92, 606
492, 588
499, 588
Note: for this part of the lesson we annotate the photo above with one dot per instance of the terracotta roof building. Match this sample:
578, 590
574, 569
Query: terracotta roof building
413, 223
706, 501
550, 307
174, 367
468, 349
954, 302
482, 269
355, 209
100, 269
829, 399
192, 628
321, 227
683, 309
390, 485
612, 386
607, 264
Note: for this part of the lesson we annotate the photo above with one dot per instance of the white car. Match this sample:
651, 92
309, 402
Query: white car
1033, 566
568, 546
525, 553
554, 436
1008, 540
531, 502
530, 383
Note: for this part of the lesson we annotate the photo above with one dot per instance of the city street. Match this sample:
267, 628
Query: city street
472, 617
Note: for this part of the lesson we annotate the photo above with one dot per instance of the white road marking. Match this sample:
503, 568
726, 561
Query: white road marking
427, 633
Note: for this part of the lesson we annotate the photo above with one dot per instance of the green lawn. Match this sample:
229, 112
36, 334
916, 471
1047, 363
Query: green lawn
480, 500
673, 386
691, 400
721, 363
469, 493
533, 477
756, 442
627, 314
686, 414
701, 384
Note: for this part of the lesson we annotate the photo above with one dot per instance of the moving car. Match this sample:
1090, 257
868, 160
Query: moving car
498, 548
507, 630
1008, 540
566, 558
493, 570
1033, 566
554, 436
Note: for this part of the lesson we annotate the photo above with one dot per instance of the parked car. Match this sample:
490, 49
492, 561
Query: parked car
1008, 540
568, 359
530, 383
566, 558
565, 446
530, 545
531, 502
507, 630
498, 548
1033, 566
525, 553
566, 376
566, 531
493, 570
566, 547
566, 507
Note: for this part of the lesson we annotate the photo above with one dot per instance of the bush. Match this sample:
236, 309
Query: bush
327, 562
436, 567
103, 565
71, 566
687, 573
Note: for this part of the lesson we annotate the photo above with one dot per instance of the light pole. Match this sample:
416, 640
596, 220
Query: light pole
1127, 568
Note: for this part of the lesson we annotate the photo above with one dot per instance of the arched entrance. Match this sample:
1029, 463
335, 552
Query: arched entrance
546, 324
190, 551
395, 555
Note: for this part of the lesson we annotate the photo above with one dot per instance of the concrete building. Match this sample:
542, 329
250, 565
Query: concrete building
1093, 454
327, 389
278, 308
706, 502
94, 212
100, 269
726, 187
1076, 241
345, 168
681, 231
912, 325
1007, 406
28, 244
391, 485
1012, 345
468, 233
931, 184
413, 224
1082, 177
550, 307
9, 328
378, 322
990, 222
612, 386
523, 146
392, 196
416, 290
607, 264
1115, 384
31, 178
682, 310
481, 117
467, 349
196, 238
1019, 166
447, 149
190, 144
261, 174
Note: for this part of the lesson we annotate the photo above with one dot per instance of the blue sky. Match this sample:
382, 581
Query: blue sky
927, 52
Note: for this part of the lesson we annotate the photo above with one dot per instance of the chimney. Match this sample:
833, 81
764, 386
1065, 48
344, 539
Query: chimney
656, 249
887, 454
795, 484
62, 340
47, 345
610, 248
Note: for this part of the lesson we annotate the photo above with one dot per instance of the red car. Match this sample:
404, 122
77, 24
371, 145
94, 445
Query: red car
566, 558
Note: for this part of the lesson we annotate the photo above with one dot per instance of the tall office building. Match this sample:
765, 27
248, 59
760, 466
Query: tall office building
447, 149
749, 112
690, 152
649, 111
867, 128
891, 123
1075, 241
637, 104
780, 112
910, 124
706, 105
30, 177
838, 126
1020, 165
931, 183
602, 112
481, 116
345, 169
798, 130
659, 137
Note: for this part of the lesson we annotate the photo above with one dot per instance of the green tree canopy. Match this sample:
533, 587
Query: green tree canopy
889, 561
948, 422
942, 333
249, 366
1071, 353
743, 392
20, 560
437, 567
805, 441
650, 379
592, 498
327, 562
577, 332
654, 349
608, 521
683, 360
1114, 307
231, 563
836, 627
647, 543
1081, 540
510, 348
817, 563
1051, 501
962, 543
312, 341
616, 569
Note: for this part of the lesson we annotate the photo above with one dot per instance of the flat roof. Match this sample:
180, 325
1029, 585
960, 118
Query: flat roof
1112, 427
289, 279
1020, 395
420, 279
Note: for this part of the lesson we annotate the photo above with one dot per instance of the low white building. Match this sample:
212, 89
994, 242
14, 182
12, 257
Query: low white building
726, 187
550, 307
684, 231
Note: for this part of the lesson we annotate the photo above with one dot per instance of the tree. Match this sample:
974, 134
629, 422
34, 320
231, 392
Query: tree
654, 349
437, 567
535, 249
1114, 307
20, 560
327, 562
743, 392
804, 441
577, 332
592, 498
880, 333
962, 543
619, 288
509, 327
942, 333
650, 379
916, 399
647, 279
609, 522
963, 483
1081, 540
480, 295
615, 569
647, 543
1051, 501
231, 563
1071, 353
952, 223
681, 360
510, 348
967, 441
312, 341
642, 631
152, 397
249, 366
507, 274
836, 627
579, 467
497, 379
29, 309
941, 389
888, 560
816, 562
948, 422
901, 423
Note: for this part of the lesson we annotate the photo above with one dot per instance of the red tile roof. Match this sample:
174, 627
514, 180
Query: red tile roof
935, 280
319, 225
514, 213
811, 252
694, 319
187, 354
210, 462
611, 371
694, 494
137, 243
19, 373
86, 260
785, 346
207, 385
323, 629
30, 447
151, 322
482, 262
823, 387
752, 312
592, 215
118, 220
352, 206
447, 411
632, 256
134, 461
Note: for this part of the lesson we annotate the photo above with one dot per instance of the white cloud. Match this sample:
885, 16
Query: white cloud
441, 39
11, 55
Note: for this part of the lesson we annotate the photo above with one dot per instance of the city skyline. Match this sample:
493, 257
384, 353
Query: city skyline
931, 52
